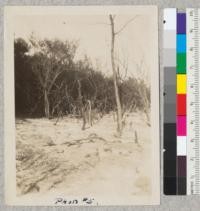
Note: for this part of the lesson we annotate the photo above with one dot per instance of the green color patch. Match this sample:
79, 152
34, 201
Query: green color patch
181, 63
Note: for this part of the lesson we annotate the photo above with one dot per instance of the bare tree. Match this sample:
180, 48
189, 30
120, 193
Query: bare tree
115, 73
119, 110
144, 90
50, 60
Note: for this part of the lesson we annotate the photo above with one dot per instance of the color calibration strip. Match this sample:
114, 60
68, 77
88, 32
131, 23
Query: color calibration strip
169, 60
181, 104
193, 101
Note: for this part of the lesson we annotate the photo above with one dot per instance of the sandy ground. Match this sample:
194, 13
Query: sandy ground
63, 158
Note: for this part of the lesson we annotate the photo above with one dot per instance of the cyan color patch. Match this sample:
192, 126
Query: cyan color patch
181, 43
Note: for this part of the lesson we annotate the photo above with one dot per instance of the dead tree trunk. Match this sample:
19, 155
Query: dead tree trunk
117, 98
81, 105
46, 105
89, 112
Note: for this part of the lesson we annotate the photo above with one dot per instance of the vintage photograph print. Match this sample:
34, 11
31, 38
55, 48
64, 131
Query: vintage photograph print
81, 90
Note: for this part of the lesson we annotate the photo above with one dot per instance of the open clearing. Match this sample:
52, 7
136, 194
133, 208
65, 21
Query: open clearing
63, 158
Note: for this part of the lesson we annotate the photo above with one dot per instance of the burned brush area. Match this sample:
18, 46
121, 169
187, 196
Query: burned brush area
51, 83
68, 129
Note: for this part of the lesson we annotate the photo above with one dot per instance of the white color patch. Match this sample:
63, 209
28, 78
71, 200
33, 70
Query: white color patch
170, 19
181, 145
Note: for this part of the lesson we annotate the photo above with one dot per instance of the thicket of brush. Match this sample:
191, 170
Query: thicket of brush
50, 82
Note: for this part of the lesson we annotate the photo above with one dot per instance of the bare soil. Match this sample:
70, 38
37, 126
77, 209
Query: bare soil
64, 158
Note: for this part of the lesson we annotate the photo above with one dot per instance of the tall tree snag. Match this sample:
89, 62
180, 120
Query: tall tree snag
117, 98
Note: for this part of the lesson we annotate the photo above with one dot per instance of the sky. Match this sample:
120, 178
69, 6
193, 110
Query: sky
135, 45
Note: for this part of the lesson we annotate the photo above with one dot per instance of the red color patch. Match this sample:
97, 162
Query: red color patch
181, 104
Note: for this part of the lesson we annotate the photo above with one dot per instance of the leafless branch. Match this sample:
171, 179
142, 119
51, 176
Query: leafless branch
124, 26
124, 65
53, 80
114, 16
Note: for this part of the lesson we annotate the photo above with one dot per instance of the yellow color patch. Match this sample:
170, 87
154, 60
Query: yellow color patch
181, 82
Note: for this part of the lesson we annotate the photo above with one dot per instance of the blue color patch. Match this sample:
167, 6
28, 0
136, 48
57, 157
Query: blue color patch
181, 43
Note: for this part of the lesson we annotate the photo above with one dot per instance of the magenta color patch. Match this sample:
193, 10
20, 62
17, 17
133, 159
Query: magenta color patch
181, 126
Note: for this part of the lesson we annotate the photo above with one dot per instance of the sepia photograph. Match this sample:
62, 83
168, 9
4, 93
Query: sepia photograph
81, 105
